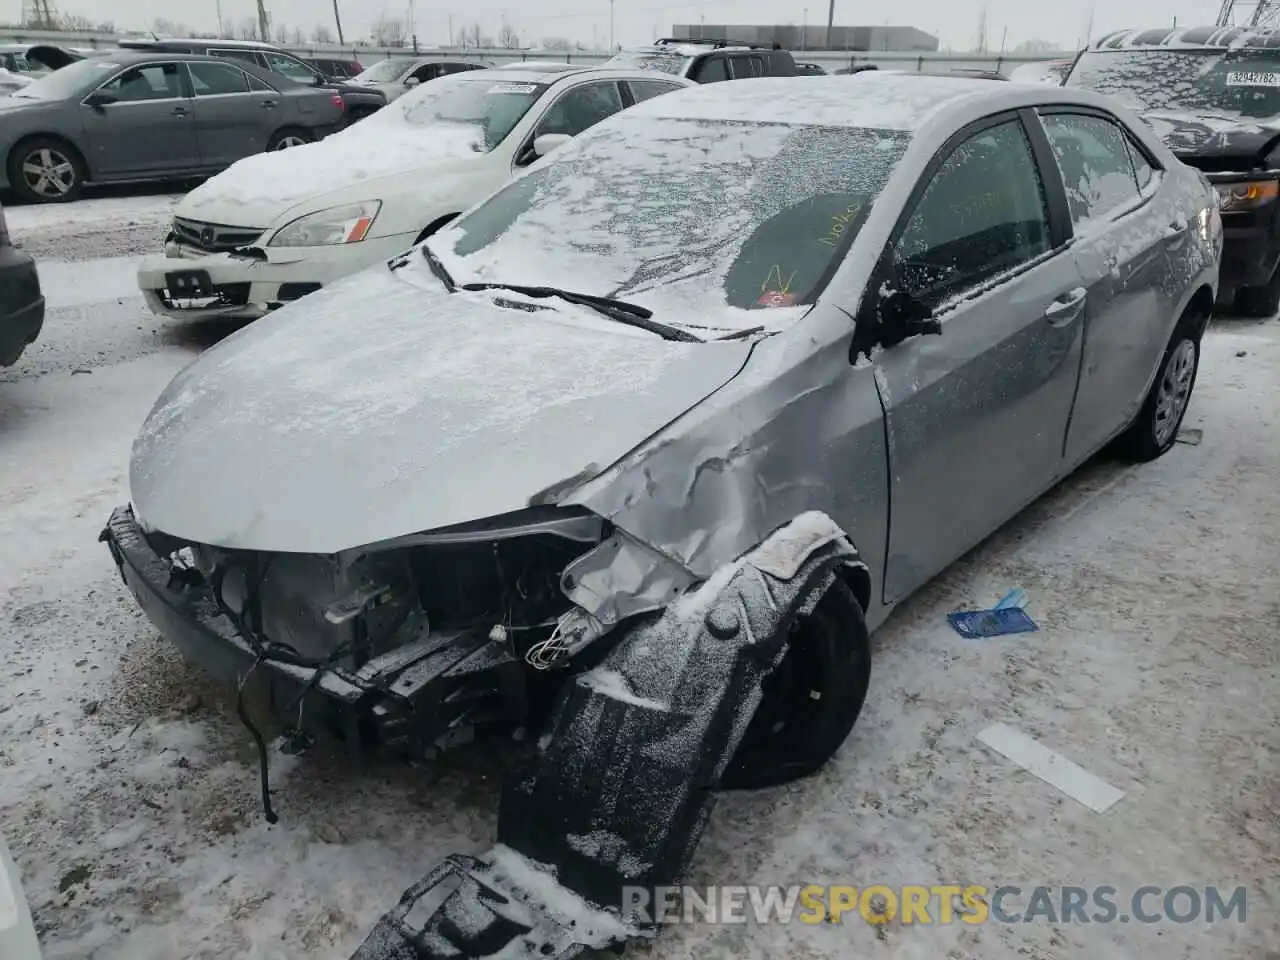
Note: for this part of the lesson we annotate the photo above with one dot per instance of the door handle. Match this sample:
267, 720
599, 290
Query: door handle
268, 104
179, 112
1066, 308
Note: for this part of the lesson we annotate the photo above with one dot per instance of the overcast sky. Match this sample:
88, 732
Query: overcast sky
954, 21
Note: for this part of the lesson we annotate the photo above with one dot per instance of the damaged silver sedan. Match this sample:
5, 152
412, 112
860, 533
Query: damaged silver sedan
634, 454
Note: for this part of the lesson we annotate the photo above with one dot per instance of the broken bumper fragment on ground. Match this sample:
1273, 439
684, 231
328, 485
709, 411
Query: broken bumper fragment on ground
624, 778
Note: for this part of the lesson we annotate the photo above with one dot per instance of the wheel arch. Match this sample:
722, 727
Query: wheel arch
1199, 309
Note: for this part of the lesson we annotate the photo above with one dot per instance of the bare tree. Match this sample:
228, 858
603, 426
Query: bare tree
474, 36
282, 35
75, 22
298, 37
322, 34
508, 37
389, 32
164, 27
556, 43
248, 28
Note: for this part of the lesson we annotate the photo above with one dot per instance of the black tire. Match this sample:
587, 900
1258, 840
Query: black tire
1261, 301
63, 176
1154, 430
290, 137
811, 701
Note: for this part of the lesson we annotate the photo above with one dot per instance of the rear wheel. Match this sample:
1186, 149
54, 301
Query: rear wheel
46, 170
813, 698
1155, 430
289, 137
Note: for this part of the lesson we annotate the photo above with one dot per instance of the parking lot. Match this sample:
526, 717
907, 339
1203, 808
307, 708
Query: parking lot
129, 789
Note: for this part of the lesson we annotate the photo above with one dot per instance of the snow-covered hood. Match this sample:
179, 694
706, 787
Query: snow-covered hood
364, 162
1192, 136
383, 406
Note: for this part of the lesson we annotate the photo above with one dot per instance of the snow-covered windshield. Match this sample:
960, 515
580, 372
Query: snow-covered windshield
661, 61
385, 71
705, 222
487, 107
75, 79
1236, 83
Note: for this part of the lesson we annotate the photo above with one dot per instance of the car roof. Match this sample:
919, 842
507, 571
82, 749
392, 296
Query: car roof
877, 99
1206, 37
127, 56
542, 67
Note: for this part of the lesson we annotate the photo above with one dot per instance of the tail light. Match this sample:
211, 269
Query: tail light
339, 102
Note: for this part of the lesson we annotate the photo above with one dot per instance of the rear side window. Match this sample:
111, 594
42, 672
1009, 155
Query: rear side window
248, 56
1094, 156
711, 70
982, 214
213, 79
744, 67
643, 90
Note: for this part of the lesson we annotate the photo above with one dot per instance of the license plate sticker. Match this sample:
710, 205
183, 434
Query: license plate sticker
1250, 78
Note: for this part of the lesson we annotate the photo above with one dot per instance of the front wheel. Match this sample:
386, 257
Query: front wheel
289, 137
811, 701
46, 170
1155, 430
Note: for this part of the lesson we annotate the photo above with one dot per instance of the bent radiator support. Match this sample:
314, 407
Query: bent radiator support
623, 780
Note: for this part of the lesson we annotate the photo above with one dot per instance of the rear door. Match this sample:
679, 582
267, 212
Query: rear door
148, 129
976, 416
1122, 253
232, 120
744, 66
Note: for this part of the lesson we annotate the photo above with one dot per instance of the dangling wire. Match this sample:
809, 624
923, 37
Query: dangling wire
263, 772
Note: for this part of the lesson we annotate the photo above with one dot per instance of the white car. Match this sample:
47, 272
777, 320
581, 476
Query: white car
17, 933
277, 226
398, 75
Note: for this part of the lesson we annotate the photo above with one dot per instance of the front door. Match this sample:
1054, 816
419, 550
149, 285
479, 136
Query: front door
148, 129
1122, 252
231, 119
976, 416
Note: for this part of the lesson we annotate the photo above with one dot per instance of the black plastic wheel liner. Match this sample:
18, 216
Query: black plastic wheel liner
622, 784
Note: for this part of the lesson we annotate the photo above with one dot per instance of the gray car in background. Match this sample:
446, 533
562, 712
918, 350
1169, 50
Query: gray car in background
143, 116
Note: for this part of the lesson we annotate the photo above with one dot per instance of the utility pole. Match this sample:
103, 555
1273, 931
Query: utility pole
804, 31
218, 5
337, 20
413, 29
611, 46
831, 18
451, 30
264, 23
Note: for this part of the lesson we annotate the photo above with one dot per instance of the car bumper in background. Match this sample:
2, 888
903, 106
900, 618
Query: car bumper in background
239, 285
21, 304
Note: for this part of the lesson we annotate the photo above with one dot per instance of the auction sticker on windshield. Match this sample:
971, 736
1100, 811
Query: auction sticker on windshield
513, 88
1251, 79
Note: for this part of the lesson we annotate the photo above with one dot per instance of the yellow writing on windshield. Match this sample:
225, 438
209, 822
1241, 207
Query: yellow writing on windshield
783, 286
839, 224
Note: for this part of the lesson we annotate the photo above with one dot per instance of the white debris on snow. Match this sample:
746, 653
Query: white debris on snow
536, 884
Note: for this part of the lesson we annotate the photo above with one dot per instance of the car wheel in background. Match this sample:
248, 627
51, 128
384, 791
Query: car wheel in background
289, 137
1155, 430
46, 170
811, 700
1261, 301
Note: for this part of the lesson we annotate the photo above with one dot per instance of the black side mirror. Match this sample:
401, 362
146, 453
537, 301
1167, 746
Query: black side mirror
902, 315
99, 99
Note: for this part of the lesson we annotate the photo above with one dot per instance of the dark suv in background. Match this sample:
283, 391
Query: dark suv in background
1213, 95
710, 61
360, 101
335, 69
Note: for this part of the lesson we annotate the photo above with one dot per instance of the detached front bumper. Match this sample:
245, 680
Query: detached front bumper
404, 700
184, 282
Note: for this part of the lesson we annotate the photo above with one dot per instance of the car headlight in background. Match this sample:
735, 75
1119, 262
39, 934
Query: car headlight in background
348, 223
1246, 196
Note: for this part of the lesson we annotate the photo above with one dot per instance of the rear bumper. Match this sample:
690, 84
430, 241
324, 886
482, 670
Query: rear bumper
402, 700
249, 287
21, 304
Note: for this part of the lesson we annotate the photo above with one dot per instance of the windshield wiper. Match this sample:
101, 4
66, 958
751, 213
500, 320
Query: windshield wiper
633, 315
438, 268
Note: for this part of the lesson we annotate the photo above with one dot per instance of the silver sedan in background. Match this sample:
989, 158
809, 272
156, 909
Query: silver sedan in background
144, 116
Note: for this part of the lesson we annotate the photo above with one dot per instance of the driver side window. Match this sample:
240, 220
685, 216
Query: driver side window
581, 108
982, 214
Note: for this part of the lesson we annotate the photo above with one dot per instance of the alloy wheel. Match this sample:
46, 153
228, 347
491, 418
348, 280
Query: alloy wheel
49, 173
290, 141
1174, 390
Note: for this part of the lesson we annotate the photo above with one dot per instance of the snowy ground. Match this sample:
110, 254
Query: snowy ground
128, 789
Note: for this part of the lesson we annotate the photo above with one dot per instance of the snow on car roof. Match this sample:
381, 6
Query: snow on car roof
885, 102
